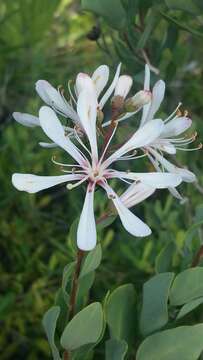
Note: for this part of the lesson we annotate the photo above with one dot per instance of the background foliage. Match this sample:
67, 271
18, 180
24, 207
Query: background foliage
54, 40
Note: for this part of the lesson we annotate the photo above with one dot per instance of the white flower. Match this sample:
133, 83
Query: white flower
169, 140
56, 100
94, 168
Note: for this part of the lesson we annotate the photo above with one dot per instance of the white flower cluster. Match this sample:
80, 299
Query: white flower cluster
94, 164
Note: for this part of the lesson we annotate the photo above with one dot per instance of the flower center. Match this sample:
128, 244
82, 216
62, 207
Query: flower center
95, 174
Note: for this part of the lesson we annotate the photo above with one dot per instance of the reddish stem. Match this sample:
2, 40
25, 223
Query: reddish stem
198, 257
74, 288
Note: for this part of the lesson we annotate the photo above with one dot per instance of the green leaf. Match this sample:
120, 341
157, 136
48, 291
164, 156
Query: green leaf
49, 322
62, 300
104, 8
85, 283
72, 236
115, 349
184, 5
67, 272
164, 258
106, 222
92, 261
180, 25
120, 310
191, 233
187, 308
184, 342
187, 286
151, 22
154, 314
85, 328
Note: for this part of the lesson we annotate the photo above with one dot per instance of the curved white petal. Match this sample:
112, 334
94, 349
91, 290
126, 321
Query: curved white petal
48, 145
34, 183
176, 126
176, 194
146, 87
26, 119
185, 174
165, 145
100, 78
136, 193
83, 82
111, 88
157, 98
141, 138
130, 222
158, 180
123, 86
86, 233
87, 111
53, 98
55, 131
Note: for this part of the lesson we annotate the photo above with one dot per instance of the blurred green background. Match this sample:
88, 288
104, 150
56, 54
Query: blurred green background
54, 40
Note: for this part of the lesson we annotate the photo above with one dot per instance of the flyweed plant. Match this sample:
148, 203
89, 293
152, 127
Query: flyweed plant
93, 118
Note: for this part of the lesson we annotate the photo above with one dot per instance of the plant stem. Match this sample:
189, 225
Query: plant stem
66, 355
74, 288
73, 294
198, 257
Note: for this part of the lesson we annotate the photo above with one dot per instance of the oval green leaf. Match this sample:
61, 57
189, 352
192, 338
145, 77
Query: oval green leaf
154, 314
120, 312
187, 308
115, 349
49, 322
184, 343
187, 286
85, 328
92, 261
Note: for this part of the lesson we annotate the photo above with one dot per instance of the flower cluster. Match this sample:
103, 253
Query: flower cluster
88, 140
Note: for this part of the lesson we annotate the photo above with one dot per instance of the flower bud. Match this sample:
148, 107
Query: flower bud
137, 101
117, 104
123, 86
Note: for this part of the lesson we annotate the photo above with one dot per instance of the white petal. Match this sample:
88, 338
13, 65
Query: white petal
157, 180
83, 82
100, 78
185, 174
165, 145
176, 126
157, 98
146, 87
48, 145
87, 111
111, 88
131, 223
175, 193
86, 233
136, 193
123, 86
26, 119
53, 98
147, 78
33, 183
124, 117
55, 131
142, 137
